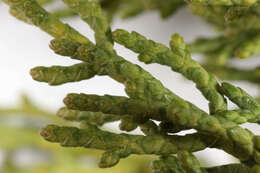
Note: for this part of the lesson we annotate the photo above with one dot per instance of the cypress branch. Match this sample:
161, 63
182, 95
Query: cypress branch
178, 59
148, 100
92, 137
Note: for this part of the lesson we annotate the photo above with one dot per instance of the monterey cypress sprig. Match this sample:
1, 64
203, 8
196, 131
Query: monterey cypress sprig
139, 84
178, 58
221, 126
148, 100
122, 145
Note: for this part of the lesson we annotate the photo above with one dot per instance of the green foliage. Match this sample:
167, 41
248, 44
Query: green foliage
61, 160
148, 100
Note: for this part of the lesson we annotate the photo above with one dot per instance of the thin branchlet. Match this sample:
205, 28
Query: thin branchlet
57, 75
96, 118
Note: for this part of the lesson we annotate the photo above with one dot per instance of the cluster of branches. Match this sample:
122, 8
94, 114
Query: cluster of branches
124, 8
30, 117
148, 100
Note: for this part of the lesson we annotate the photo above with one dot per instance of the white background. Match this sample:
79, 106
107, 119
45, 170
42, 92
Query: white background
23, 47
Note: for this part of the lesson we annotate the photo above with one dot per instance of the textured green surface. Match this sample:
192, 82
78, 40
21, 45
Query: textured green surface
57, 75
189, 162
139, 84
96, 118
148, 100
178, 58
92, 137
